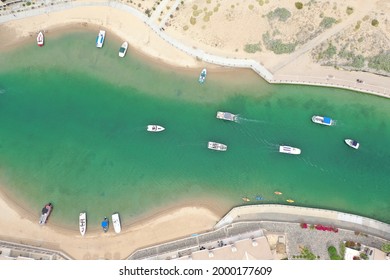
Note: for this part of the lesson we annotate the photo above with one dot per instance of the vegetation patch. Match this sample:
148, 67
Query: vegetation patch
277, 46
375, 22
381, 62
327, 22
386, 247
332, 251
281, 14
298, 5
349, 10
252, 48
193, 20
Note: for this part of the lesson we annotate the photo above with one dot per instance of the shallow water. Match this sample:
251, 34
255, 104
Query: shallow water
73, 132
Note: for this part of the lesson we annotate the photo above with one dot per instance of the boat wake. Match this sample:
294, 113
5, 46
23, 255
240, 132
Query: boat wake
239, 119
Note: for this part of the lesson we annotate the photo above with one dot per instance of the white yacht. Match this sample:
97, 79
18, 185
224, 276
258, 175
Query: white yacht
40, 39
202, 76
323, 120
123, 49
100, 38
227, 116
155, 128
352, 143
116, 222
216, 146
289, 150
83, 223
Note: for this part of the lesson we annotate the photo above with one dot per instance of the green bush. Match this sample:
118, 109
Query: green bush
330, 51
277, 46
282, 14
380, 62
332, 251
193, 20
375, 22
358, 61
386, 247
298, 5
349, 10
252, 48
327, 22
307, 254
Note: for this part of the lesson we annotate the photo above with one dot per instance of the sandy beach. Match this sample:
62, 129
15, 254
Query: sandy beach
20, 225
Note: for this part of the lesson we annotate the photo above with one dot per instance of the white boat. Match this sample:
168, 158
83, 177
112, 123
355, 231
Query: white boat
227, 116
202, 76
289, 150
45, 213
323, 120
116, 222
155, 128
216, 146
100, 38
352, 143
83, 223
123, 49
40, 39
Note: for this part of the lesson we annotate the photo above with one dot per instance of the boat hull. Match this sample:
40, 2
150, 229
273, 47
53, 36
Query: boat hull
216, 146
352, 143
45, 213
116, 222
40, 39
226, 116
289, 150
155, 128
202, 76
123, 49
322, 120
83, 223
100, 39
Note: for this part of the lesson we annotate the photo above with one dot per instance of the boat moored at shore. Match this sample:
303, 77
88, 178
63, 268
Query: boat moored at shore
323, 120
123, 49
216, 146
83, 223
352, 143
227, 116
289, 150
105, 224
40, 39
202, 76
116, 222
45, 213
100, 38
155, 128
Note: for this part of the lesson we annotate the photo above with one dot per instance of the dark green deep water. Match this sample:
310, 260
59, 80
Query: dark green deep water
72, 132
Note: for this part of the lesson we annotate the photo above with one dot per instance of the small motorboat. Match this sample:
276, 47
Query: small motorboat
123, 49
83, 223
278, 193
155, 128
45, 213
105, 224
202, 76
352, 143
290, 200
116, 222
246, 199
40, 39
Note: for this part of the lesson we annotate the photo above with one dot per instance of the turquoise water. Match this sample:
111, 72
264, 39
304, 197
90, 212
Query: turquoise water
73, 121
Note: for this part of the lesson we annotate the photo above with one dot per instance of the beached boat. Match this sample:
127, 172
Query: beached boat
155, 128
323, 120
227, 116
352, 143
45, 213
246, 199
278, 193
116, 222
289, 150
105, 224
40, 39
216, 146
83, 223
100, 38
123, 49
290, 200
202, 76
